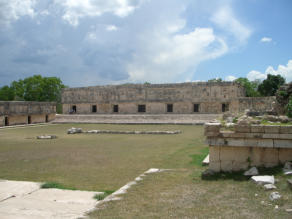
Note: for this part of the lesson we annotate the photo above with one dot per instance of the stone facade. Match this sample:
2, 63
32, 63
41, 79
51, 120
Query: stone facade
250, 145
21, 112
180, 98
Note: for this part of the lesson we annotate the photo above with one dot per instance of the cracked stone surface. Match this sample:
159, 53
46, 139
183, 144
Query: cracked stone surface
20, 199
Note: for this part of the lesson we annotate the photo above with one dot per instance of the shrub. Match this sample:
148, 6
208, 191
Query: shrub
289, 108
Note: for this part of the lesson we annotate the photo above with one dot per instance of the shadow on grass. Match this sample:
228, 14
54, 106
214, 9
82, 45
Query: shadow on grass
239, 175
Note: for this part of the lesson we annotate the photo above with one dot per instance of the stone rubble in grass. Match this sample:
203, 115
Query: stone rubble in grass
131, 132
251, 172
262, 180
47, 137
289, 210
275, 196
74, 130
270, 186
289, 181
287, 168
206, 161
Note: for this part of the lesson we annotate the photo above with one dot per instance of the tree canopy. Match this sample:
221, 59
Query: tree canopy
35, 88
270, 85
250, 87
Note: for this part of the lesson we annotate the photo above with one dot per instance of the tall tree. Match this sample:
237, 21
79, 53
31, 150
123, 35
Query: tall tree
38, 88
270, 85
250, 87
6, 93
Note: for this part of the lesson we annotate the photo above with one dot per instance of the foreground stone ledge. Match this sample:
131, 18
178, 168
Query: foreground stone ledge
256, 145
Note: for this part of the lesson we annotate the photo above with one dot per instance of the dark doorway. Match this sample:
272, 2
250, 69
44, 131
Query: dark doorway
116, 108
225, 107
93, 109
141, 108
169, 108
196, 107
29, 120
74, 109
6, 121
47, 118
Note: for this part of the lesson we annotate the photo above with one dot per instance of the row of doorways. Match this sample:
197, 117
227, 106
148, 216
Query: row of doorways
6, 122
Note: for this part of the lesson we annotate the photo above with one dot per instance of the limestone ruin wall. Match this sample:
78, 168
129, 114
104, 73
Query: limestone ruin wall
26, 112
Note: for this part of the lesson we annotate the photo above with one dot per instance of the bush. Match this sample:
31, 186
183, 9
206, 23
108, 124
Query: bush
289, 108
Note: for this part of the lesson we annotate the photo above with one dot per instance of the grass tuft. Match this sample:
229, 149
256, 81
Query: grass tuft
55, 185
197, 159
100, 197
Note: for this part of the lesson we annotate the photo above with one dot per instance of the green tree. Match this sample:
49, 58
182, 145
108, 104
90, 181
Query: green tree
270, 85
6, 93
250, 87
38, 88
215, 80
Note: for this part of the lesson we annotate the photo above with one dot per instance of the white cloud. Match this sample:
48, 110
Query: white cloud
74, 10
12, 10
171, 57
256, 75
230, 78
266, 40
111, 28
284, 71
226, 20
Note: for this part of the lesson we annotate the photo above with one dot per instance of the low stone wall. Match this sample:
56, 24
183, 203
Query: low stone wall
26, 112
251, 145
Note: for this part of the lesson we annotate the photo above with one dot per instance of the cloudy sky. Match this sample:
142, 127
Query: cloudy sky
92, 42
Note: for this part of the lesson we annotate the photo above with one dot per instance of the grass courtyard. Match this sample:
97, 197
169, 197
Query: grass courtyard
102, 162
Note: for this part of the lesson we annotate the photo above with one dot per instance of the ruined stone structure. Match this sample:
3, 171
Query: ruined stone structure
248, 145
22, 112
180, 98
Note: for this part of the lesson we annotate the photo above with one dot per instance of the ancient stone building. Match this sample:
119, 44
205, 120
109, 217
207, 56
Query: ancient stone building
22, 112
179, 98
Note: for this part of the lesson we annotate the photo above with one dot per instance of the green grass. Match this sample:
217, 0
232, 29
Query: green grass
107, 162
100, 197
55, 185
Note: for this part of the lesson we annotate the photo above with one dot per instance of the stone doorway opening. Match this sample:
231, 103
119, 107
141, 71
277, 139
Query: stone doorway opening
29, 120
6, 121
47, 118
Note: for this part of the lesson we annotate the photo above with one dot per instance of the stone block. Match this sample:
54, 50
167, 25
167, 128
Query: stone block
264, 156
257, 129
237, 166
214, 154
241, 154
235, 142
211, 134
212, 127
285, 155
286, 129
279, 143
226, 166
272, 129
215, 166
265, 143
255, 157
277, 136
227, 153
242, 128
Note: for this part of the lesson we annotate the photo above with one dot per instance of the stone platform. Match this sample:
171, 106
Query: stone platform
192, 119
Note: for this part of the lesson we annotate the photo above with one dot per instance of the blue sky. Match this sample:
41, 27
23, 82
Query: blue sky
92, 42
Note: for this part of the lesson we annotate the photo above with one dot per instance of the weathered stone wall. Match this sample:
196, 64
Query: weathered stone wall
258, 104
255, 145
20, 112
183, 96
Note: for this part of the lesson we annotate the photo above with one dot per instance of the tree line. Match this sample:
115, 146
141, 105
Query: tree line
267, 87
35, 88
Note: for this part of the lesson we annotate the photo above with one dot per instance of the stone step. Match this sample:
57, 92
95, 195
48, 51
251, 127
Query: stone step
137, 119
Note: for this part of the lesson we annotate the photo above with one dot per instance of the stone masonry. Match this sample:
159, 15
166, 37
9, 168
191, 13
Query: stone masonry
249, 145
179, 98
26, 112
